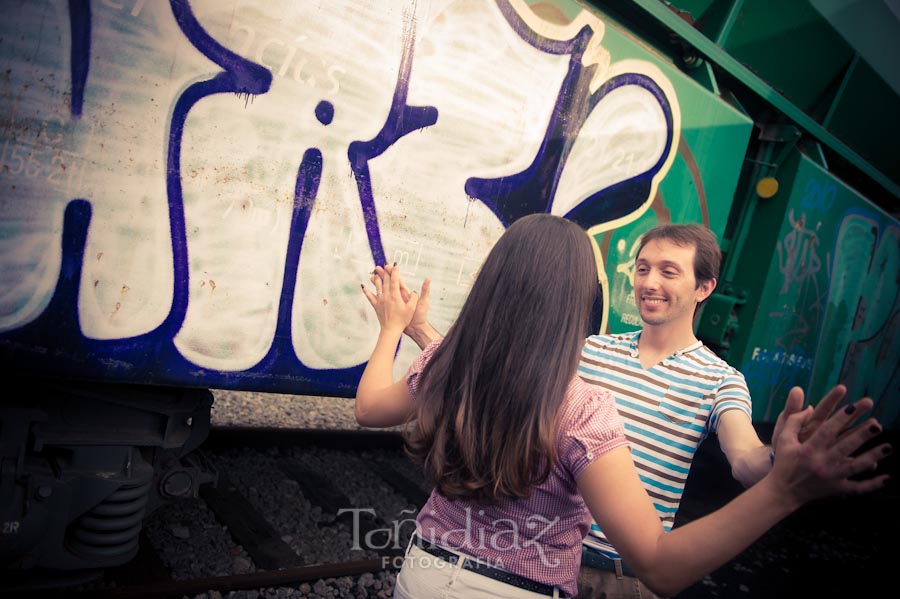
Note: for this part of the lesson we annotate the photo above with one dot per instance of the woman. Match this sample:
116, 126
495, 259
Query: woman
519, 448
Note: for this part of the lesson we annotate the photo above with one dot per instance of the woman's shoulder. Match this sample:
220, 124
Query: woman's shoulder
589, 426
418, 365
424, 356
582, 391
585, 401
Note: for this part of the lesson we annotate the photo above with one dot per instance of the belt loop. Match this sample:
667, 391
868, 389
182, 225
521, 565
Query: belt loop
412, 540
618, 563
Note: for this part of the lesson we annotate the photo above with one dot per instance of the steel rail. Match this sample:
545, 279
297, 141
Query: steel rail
237, 582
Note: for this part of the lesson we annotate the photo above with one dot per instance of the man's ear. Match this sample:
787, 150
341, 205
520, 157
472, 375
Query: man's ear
705, 289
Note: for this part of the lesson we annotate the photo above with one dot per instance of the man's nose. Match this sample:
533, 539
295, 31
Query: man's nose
652, 279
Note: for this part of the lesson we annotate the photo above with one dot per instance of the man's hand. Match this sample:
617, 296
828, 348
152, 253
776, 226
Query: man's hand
394, 307
419, 329
822, 412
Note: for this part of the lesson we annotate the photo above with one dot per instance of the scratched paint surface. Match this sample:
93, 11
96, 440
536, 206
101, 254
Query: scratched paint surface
829, 311
192, 192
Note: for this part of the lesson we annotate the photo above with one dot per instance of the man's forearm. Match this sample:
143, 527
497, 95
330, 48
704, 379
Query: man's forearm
752, 465
423, 335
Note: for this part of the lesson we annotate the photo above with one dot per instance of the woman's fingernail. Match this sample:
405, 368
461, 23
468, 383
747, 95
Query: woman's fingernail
849, 409
874, 428
886, 450
395, 264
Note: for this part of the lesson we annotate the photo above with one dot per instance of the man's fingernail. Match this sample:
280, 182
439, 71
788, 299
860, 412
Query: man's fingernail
849, 409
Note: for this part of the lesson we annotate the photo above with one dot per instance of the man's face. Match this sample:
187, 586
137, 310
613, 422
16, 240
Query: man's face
665, 290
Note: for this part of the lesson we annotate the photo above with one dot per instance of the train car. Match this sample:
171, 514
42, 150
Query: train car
192, 191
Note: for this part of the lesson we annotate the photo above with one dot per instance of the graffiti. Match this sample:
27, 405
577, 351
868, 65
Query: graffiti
791, 359
793, 317
778, 370
798, 258
862, 324
771, 374
238, 169
819, 195
282, 59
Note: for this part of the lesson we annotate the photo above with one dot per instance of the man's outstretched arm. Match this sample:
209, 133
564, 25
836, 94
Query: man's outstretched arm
749, 458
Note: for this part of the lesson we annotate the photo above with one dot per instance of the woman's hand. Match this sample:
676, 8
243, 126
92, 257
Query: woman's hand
822, 412
824, 463
394, 304
381, 402
418, 329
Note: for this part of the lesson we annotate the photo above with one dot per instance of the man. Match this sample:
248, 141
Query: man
670, 389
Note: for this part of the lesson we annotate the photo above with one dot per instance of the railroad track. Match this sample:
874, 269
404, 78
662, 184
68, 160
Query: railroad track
328, 513
293, 513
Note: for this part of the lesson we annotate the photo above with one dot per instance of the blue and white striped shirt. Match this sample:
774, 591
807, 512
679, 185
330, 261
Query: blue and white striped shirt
668, 409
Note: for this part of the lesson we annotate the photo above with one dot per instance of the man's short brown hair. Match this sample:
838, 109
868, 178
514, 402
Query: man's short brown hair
708, 257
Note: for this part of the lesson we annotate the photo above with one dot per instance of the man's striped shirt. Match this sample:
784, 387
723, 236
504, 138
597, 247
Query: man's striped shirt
668, 410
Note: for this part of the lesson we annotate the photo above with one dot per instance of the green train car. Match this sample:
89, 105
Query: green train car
192, 191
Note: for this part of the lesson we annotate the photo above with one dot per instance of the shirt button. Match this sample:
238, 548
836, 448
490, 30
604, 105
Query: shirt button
590, 454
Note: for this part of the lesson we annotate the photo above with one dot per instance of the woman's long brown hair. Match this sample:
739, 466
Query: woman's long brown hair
489, 397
